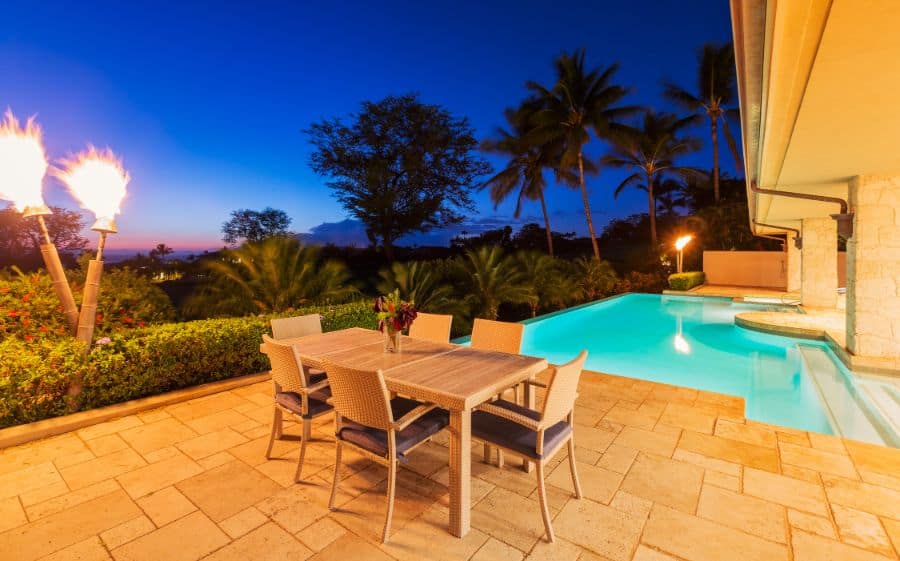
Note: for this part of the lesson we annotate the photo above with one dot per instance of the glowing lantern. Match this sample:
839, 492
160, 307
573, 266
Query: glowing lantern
680, 244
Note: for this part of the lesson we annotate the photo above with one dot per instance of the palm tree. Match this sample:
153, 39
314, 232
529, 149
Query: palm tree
546, 280
525, 170
489, 279
160, 252
581, 100
716, 91
595, 279
420, 282
650, 151
273, 275
670, 194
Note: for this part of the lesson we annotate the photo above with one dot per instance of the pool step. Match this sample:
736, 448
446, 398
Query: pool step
849, 409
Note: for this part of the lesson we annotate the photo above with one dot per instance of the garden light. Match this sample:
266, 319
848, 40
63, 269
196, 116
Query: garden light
23, 165
680, 244
98, 181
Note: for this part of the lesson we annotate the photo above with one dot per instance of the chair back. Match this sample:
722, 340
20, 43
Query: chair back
360, 395
490, 335
431, 327
562, 391
299, 326
287, 372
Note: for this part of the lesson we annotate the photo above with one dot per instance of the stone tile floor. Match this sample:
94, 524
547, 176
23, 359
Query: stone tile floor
669, 473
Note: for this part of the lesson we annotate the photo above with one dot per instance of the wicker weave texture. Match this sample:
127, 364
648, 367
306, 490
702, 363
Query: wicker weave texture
286, 370
360, 395
431, 327
490, 335
562, 391
298, 326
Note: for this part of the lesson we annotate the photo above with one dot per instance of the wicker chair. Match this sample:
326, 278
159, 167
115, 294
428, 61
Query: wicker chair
299, 326
380, 428
431, 327
502, 336
296, 392
536, 436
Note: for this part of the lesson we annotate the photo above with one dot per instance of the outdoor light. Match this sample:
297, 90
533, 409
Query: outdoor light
680, 243
23, 165
97, 180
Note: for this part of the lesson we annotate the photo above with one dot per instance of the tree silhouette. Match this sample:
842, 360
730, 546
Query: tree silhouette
254, 226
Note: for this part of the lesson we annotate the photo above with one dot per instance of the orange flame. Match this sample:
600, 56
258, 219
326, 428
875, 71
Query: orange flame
23, 163
97, 180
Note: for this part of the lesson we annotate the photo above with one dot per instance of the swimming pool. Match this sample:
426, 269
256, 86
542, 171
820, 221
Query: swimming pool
693, 342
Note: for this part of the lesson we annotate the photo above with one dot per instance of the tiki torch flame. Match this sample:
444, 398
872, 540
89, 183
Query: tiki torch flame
97, 179
23, 164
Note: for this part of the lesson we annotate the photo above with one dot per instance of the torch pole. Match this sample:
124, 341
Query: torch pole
88, 314
58, 275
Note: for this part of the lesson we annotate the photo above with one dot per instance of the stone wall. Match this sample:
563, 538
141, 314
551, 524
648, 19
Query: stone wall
873, 267
818, 270
793, 265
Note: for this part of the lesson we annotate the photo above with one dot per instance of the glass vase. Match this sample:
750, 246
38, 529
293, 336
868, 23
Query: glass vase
391, 340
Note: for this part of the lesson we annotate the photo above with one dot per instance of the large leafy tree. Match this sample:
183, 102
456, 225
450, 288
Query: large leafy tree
276, 274
650, 150
524, 172
20, 238
715, 95
254, 225
399, 166
582, 100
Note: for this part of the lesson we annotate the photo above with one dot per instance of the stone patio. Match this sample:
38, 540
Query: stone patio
668, 473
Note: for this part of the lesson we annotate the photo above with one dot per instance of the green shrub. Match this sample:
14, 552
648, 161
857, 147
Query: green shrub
35, 376
686, 281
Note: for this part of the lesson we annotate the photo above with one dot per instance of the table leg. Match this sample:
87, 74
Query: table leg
460, 472
529, 403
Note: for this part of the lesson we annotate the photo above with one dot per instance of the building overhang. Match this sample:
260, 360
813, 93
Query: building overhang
817, 85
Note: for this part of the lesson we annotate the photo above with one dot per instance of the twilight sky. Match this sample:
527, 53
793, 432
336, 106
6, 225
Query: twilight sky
205, 101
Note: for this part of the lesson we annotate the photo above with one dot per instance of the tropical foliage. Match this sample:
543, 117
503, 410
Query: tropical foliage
650, 151
489, 278
583, 100
715, 97
274, 275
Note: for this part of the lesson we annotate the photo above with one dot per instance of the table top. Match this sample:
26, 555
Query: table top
452, 376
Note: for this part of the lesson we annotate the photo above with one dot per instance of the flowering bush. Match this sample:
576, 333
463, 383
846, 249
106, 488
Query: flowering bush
35, 377
30, 310
393, 313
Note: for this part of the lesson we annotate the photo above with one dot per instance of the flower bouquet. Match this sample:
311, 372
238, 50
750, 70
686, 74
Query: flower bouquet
394, 315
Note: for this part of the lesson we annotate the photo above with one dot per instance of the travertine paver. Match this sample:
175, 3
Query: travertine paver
668, 474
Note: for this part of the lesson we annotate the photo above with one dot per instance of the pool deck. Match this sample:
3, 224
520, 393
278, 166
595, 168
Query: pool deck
669, 474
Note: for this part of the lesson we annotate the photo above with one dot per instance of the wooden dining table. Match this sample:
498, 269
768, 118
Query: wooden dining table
455, 377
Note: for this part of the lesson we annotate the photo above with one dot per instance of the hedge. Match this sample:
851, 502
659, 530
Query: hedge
686, 281
35, 377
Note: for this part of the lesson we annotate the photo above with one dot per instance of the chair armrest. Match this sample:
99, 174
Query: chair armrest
504, 413
412, 416
537, 383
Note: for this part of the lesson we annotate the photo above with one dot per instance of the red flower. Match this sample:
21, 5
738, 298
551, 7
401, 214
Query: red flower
29, 338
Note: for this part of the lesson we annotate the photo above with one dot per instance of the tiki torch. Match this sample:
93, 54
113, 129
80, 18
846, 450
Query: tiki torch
23, 165
680, 244
97, 180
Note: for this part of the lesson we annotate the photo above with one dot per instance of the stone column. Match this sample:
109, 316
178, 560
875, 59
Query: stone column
873, 267
793, 258
818, 270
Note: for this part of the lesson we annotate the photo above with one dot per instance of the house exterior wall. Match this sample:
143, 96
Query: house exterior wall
873, 267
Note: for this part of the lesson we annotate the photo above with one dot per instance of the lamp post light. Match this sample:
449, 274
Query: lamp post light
680, 244
23, 165
97, 180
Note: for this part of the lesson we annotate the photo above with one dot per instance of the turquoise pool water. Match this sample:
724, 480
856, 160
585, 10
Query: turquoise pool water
692, 342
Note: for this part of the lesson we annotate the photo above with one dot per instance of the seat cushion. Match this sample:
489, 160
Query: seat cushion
513, 436
376, 441
294, 403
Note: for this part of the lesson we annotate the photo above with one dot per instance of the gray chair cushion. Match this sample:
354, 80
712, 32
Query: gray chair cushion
375, 440
513, 436
294, 403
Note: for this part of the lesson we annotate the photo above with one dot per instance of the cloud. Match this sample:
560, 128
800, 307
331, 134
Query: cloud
352, 233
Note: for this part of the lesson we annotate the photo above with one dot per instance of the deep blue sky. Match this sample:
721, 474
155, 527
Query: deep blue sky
205, 100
